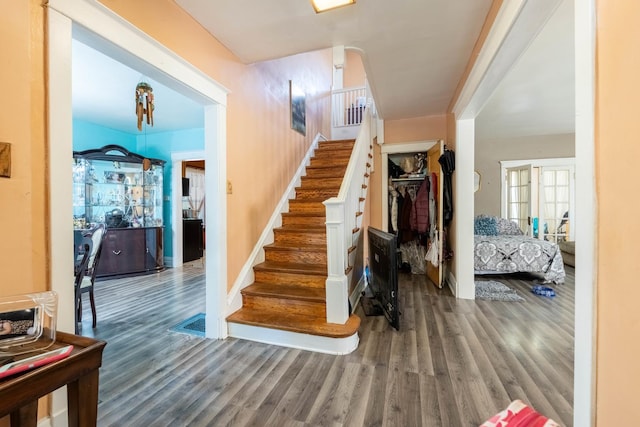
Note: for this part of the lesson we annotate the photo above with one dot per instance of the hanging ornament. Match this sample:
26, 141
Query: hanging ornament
144, 103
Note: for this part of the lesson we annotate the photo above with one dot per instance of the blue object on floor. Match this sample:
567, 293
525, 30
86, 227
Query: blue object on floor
193, 326
544, 291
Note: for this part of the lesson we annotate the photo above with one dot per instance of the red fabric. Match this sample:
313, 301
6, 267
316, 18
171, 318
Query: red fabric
420, 213
518, 414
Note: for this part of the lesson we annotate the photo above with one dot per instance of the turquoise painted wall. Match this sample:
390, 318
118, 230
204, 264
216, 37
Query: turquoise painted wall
88, 135
157, 146
160, 146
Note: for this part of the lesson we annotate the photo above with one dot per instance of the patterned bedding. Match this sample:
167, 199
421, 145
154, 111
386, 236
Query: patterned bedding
513, 253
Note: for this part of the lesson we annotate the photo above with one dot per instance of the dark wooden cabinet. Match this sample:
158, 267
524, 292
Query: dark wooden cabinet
131, 251
192, 239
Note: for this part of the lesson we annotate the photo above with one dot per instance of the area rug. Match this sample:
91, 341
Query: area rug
192, 326
495, 291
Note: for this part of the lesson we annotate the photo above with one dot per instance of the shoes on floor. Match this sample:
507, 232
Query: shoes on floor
544, 291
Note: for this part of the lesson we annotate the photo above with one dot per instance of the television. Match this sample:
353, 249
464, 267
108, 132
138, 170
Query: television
383, 274
185, 187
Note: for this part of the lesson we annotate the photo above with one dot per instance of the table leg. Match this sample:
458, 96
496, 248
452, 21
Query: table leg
82, 397
26, 415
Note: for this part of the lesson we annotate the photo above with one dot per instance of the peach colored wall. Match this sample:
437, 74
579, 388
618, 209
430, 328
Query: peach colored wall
617, 152
415, 129
23, 247
263, 152
354, 75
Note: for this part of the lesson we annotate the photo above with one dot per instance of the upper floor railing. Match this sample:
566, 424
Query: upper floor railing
347, 106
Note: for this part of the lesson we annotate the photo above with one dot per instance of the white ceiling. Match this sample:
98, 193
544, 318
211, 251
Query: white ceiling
103, 92
414, 53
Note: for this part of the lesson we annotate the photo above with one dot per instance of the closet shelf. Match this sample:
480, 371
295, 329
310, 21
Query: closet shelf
409, 178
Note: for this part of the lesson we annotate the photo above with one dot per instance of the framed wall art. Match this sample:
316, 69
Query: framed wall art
298, 109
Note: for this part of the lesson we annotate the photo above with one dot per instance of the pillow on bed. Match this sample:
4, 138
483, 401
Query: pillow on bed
485, 226
508, 227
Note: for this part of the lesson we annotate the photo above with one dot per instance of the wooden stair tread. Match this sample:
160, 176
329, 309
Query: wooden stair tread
309, 200
296, 246
312, 214
294, 228
296, 323
326, 167
278, 290
290, 267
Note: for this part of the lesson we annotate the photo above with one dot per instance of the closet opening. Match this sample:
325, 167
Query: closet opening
412, 207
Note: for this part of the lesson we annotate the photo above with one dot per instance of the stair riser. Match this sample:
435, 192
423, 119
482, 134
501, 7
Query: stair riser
307, 207
301, 237
329, 161
284, 305
333, 183
336, 154
296, 256
303, 220
285, 278
315, 193
328, 172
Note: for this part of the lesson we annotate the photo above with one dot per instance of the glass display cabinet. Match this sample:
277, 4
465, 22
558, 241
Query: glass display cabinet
122, 190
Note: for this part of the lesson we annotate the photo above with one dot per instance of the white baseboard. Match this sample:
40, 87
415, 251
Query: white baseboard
46, 422
452, 283
294, 339
354, 298
246, 276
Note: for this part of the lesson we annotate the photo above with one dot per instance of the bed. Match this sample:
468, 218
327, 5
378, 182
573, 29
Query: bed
501, 247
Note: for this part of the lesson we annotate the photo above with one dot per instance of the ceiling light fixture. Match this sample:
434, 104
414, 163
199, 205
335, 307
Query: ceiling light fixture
324, 5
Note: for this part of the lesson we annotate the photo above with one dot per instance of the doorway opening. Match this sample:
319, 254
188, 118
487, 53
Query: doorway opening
115, 37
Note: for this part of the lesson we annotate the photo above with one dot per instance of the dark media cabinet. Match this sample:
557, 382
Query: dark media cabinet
192, 240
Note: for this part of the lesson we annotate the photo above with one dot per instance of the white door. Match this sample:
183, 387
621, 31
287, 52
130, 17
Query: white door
518, 197
556, 201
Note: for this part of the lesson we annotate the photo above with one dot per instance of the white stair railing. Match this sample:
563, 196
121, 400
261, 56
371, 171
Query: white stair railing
348, 105
344, 220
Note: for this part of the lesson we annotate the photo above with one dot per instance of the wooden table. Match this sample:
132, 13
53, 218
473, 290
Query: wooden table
79, 372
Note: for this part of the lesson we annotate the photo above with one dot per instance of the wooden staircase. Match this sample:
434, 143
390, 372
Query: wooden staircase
287, 298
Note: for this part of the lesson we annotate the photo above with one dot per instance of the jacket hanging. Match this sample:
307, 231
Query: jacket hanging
448, 164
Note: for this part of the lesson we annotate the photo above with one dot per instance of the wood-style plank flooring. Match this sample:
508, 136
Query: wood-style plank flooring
453, 362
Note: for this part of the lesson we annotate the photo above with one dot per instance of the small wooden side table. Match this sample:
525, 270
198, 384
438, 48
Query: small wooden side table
79, 372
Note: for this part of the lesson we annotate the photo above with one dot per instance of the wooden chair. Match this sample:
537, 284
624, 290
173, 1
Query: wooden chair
83, 249
86, 276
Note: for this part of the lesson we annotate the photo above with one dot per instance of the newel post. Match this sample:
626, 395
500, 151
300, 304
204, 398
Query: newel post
337, 293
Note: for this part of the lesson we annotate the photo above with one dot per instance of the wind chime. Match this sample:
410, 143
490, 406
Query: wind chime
144, 103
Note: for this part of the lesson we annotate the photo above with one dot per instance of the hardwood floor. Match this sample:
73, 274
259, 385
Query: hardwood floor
453, 362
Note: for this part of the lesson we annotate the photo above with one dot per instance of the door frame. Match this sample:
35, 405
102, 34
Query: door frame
385, 151
516, 23
177, 159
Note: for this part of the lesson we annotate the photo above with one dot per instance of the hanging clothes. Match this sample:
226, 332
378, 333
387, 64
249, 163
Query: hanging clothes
448, 164
393, 218
433, 205
420, 212
404, 221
